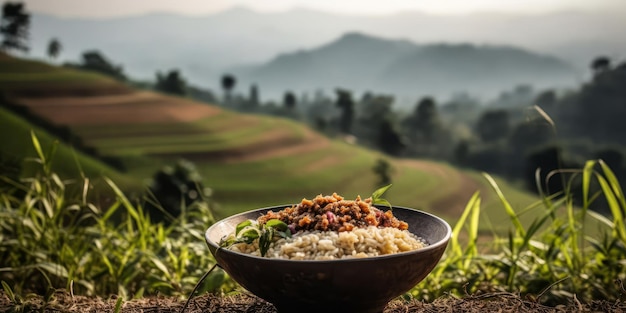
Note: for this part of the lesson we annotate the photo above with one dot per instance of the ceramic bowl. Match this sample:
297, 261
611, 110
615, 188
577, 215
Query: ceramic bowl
345, 285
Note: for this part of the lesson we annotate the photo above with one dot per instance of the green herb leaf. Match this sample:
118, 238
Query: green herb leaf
284, 234
265, 240
249, 233
382, 202
241, 226
277, 224
378, 193
228, 241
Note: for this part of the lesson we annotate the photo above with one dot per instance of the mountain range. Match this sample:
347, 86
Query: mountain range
364, 63
252, 43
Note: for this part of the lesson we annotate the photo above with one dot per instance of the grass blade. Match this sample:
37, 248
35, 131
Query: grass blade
611, 199
37, 147
8, 291
507, 206
586, 180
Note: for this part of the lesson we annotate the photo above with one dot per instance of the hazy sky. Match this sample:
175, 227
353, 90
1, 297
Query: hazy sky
111, 8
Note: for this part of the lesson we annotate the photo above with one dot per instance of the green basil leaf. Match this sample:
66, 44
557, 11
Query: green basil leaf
382, 202
380, 191
278, 224
377, 196
227, 241
266, 240
241, 226
284, 234
249, 233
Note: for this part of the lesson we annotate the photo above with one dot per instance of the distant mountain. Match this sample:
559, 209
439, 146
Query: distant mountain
360, 62
205, 47
351, 61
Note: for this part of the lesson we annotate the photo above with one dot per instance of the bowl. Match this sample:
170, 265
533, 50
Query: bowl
346, 285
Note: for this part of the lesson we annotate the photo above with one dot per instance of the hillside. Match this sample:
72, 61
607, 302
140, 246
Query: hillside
249, 161
360, 62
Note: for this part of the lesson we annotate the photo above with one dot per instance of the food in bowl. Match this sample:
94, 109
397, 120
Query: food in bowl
324, 228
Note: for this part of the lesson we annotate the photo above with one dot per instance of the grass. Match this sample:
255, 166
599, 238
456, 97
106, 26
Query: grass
287, 180
19, 72
554, 259
69, 162
52, 238
184, 143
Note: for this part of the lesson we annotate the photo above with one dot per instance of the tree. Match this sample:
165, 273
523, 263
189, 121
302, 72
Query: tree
14, 26
254, 96
377, 124
290, 100
383, 169
493, 125
530, 134
228, 83
171, 83
346, 104
423, 125
54, 48
389, 138
461, 152
93, 60
600, 64
598, 109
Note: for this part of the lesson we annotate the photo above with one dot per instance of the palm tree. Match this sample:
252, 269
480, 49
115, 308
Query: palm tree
54, 48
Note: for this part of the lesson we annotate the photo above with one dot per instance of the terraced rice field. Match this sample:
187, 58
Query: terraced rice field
249, 161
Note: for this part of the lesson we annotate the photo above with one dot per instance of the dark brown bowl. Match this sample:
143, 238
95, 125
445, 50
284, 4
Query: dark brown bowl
346, 285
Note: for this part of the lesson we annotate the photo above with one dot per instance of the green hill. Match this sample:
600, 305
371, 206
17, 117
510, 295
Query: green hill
249, 161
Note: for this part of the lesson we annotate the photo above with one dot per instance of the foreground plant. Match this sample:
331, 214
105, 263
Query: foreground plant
555, 259
53, 237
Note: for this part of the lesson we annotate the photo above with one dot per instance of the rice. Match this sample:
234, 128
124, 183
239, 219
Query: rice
331, 245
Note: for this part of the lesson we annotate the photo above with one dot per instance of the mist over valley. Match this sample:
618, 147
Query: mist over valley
407, 54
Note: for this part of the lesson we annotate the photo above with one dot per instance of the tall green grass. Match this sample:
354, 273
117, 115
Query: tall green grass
52, 238
557, 258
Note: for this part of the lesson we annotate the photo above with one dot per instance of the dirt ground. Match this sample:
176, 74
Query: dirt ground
497, 302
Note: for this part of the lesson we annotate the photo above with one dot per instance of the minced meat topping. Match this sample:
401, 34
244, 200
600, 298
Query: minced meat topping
333, 213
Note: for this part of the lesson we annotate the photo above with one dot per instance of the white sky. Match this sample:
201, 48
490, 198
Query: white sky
114, 8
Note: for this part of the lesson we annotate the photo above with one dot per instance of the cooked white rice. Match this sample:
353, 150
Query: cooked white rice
330, 245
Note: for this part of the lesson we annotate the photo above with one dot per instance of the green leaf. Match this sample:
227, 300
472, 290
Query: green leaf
378, 193
284, 234
37, 146
161, 267
249, 233
118, 305
382, 202
9, 292
241, 226
265, 240
277, 224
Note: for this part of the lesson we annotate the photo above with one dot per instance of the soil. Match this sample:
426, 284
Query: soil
495, 302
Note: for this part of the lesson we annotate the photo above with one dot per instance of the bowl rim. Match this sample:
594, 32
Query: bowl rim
431, 246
